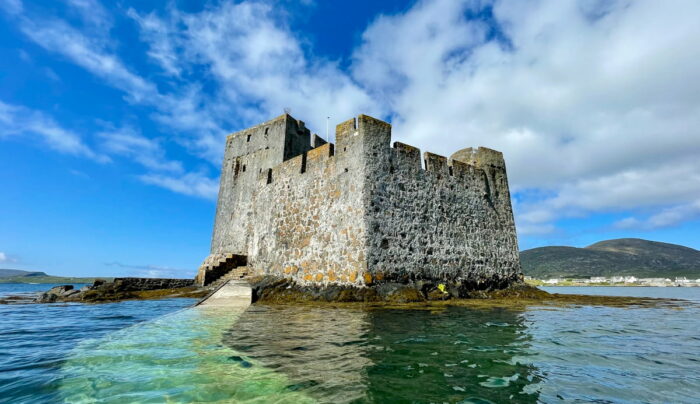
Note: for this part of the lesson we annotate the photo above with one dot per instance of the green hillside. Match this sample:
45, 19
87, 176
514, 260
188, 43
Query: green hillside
18, 272
19, 276
627, 256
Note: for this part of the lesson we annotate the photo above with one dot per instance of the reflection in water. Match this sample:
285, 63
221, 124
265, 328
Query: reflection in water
323, 351
458, 354
350, 355
177, 358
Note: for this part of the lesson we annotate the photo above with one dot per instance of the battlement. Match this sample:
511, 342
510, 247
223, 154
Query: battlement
367, 136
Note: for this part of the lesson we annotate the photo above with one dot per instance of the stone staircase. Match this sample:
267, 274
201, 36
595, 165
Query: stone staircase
220, 265
237, 273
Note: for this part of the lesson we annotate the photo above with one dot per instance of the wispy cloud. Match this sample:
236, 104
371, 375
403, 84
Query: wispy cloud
153, 271
665, 218
56, 35
193, 184
127, 141
162, 39
18, 120
92, 13
6, 259
597, 105
256, 60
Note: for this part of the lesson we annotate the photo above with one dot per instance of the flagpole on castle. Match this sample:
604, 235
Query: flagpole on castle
328, 139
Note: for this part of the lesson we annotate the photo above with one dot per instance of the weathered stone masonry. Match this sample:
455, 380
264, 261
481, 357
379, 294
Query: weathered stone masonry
361, 212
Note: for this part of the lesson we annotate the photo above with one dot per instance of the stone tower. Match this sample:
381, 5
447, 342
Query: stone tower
360, 212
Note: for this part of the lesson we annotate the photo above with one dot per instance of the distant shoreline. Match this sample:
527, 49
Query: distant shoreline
656, 283
619, 286
50, 279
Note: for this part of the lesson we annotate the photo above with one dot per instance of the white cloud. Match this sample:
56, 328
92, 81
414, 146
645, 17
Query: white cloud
665, 218
127, 141
185, 109
598, 106
595, 105
154, 271
7, 259
56, 35
92, 13
12, 7
258, 63
18, 120
193, 184
162, 39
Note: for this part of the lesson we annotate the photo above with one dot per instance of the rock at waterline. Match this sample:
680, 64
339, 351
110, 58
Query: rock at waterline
122, 289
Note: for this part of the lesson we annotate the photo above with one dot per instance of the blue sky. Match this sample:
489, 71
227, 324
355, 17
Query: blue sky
113, 114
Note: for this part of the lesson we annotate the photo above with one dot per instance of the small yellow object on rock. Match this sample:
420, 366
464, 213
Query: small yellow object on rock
442, 288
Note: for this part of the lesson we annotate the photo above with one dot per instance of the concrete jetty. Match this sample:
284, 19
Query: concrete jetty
234, 293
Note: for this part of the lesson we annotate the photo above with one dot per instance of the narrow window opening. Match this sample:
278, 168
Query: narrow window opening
269, 176
266, 129
248, 139
303, 163
235, 170
451, 172
243, 167
331, 150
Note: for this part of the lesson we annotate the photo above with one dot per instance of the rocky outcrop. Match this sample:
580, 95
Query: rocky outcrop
136, 284
58, 293
123, 289
278, 290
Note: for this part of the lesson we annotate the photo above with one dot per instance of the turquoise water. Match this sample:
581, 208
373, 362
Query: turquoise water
158, 351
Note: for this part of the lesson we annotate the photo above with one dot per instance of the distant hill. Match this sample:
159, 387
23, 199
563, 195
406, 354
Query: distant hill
625, 256
19, 276
17, 272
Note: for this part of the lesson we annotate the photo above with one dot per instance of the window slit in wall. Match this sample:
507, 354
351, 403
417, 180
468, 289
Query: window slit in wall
303, 163
235, 170
451, 172
269, 176
248, 139
266, 129
243, 167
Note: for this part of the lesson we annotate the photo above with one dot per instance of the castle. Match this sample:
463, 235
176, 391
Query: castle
360, 212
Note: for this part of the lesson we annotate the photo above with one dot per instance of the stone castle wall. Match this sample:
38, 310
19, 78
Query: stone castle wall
248, 153
362, 212
451, 221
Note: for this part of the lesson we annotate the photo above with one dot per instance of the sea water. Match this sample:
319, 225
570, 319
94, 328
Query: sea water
167, 351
